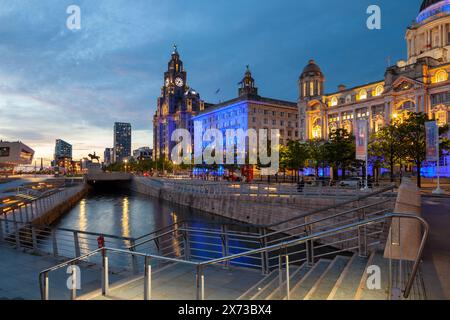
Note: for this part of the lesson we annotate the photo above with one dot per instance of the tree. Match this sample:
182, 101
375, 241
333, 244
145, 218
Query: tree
340, 151
386, 147
317, 154
294, 156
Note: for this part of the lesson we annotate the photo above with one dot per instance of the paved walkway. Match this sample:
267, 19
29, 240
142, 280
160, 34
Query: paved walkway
19, 273
436, 265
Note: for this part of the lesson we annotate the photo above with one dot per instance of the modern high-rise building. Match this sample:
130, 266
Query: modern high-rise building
122, 141
63, 149
108, 156
177, 104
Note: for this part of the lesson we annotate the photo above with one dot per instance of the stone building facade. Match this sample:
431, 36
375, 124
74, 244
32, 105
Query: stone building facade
419, 84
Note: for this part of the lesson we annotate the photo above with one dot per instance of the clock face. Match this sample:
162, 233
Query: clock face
179, 82
167, 82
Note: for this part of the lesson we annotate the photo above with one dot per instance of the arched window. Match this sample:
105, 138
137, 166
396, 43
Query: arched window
441, 117
379, 91
334, 101
441, 76
317, 129
363, 94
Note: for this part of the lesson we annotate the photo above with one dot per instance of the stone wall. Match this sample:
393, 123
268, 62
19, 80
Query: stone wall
261, 211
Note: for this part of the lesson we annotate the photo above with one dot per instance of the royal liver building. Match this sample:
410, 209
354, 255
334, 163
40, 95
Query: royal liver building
419, 84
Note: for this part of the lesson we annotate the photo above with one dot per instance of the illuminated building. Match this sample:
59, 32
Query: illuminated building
108, 156
122, 141
251, 111
144, 153
176, 106
419, 84
13, 154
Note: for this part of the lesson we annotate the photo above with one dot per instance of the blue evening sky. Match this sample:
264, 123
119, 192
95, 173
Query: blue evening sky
56, 83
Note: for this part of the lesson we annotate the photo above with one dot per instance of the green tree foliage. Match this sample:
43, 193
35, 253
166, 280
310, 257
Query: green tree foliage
340, 151
317, 152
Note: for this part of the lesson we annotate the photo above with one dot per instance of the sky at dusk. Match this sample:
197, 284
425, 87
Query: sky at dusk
73, 85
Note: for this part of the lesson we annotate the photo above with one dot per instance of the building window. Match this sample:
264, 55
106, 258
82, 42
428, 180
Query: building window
363, 94
379, 91
441, 76
334, 101
311, 88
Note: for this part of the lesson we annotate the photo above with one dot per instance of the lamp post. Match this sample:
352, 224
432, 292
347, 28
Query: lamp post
126, 162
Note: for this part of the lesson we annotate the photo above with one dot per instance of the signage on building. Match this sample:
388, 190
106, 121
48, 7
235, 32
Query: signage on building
361, 140
432, 138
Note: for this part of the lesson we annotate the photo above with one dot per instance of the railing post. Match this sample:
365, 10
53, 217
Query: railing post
44, 293
147, 279
264, 255
134, 262
287, 278
200, 283
55, 243
280, 270
76, 244
362, 236
105, 273
225, 252
34, 239
73, 291
187, 248
16, 232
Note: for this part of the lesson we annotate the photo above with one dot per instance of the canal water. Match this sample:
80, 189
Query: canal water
128, 214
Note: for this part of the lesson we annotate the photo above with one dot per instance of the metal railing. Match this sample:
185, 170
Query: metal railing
281, 249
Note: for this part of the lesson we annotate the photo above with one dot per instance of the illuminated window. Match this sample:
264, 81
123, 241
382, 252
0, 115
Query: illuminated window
318, 87
363, 94
311, 88
317, 129
334, 101
441, 118
379, 91
441, 76
304, 89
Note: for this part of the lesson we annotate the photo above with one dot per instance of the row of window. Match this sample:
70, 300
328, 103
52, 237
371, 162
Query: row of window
363, 94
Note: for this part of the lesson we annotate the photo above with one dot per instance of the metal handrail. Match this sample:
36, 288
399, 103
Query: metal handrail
322, 234
281, 246
257, 237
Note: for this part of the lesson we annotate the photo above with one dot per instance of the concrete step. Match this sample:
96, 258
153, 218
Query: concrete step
255, 290
273, 285
301, 289
326, 282
363, 292
346, 286
280, 292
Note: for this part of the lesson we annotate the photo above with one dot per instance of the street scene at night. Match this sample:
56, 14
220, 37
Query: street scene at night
229, 158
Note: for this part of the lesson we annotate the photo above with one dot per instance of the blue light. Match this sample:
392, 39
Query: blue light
432, 11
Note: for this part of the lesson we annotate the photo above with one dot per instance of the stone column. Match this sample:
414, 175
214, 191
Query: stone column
405, 234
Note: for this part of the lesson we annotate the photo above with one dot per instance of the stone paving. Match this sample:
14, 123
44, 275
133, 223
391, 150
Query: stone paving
436, 264
19, 274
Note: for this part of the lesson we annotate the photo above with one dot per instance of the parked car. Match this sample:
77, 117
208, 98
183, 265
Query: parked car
355, 182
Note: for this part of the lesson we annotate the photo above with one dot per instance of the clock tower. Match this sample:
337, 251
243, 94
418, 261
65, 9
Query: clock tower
175, 107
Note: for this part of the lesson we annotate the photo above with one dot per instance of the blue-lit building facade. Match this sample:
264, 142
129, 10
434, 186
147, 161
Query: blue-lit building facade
418, 84
252, 111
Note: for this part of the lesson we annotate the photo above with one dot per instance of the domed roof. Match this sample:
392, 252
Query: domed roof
311, 69
428, 3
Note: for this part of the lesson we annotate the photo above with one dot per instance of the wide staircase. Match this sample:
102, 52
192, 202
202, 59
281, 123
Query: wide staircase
333, 254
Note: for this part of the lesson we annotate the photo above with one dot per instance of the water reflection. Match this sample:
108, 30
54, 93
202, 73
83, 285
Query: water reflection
125, 218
